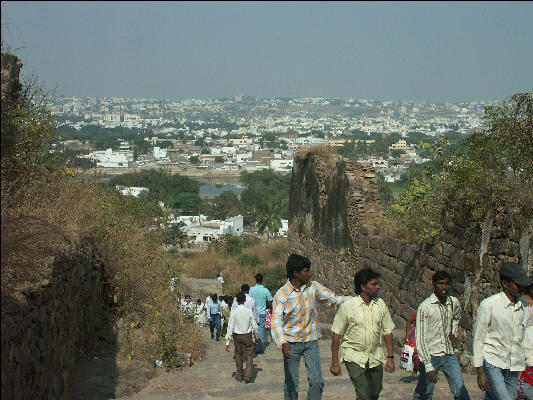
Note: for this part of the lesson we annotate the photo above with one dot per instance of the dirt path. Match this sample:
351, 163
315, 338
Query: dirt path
211, 378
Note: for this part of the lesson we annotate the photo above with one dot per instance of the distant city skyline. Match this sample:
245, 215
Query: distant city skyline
428, 52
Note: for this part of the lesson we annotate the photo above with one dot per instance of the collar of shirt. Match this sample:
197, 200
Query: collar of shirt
293, 289
434, 299
508, 303
359, 301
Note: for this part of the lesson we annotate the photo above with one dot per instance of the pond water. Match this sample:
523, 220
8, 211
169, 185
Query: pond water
216, 189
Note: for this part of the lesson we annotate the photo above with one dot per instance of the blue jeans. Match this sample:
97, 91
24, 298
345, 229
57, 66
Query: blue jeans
215, 320
311, 353
260, 347
502, 382
452, 370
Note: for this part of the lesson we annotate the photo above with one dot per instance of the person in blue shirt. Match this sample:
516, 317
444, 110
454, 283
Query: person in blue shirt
263, 300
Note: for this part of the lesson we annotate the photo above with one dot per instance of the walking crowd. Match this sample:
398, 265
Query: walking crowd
502, 342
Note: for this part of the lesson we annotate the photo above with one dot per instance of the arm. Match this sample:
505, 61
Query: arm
231, 324
408, 327
480, 333
327, 296
255, 328
389, 364
421, 339
278, 335
456, 316
338, 328
335, 367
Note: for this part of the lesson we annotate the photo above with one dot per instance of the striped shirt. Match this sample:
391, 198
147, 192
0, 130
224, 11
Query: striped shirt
300, 310
434, 322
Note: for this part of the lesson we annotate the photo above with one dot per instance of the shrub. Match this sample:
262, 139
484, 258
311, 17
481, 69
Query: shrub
249, 260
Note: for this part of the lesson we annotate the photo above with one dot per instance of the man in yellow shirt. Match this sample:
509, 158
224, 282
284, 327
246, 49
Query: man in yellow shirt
362, 329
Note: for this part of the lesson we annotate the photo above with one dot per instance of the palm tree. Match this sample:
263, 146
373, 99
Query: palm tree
269, 219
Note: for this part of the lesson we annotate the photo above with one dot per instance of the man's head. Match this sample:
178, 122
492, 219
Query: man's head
298, 267
198, 301
512, 277
218, 275
245, 288
187, 298
241, 298
259, 278
366, 282
441, 284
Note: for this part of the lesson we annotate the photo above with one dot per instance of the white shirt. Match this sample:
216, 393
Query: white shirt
499, 333
220, 279
241, 321
434, 321
250, 304
188, 308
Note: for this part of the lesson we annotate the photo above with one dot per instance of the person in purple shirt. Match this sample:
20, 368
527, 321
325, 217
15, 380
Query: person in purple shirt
263, 300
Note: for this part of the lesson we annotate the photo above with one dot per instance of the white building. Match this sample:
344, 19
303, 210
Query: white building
134, 191
159, 153
203, 230
110, 159
281, 165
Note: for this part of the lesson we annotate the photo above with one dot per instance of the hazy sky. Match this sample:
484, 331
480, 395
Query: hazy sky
391, 50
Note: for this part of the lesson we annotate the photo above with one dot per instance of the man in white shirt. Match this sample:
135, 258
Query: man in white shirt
498, 353
249, 303
243, 327
437, 325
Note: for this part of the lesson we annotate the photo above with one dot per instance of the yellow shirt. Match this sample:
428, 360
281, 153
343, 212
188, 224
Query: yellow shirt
362, 329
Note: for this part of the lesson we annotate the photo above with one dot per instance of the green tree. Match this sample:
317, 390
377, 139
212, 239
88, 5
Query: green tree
194, 160
269, 219
174, 235
219, 159
223, 206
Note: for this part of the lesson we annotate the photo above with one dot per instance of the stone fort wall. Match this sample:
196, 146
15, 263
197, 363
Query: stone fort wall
331, 208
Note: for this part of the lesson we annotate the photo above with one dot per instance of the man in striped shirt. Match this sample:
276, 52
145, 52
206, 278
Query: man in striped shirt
437, 325
296, 301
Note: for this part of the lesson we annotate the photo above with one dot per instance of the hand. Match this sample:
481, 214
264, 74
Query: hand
227, 347
432, 376
335, 369
389, 365
286, 350
482, 380
209, 319
257, 341
453, 339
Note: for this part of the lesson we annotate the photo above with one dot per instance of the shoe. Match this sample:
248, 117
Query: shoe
239, 378
218, 340
247, 380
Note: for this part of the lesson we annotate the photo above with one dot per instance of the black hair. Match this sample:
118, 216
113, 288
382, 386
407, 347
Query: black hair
241, 298
506, 278
214, 298
198, 301
441, 275
296, 263
259, 277
245, 287
187, 295
362, 277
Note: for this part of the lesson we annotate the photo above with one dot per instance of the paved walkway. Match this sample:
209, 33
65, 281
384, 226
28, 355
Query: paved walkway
211, 378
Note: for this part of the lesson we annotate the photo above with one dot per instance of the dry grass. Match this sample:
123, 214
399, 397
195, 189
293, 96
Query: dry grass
209, 263
324, 152
54, 215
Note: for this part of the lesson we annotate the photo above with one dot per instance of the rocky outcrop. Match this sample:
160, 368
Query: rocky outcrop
330, 212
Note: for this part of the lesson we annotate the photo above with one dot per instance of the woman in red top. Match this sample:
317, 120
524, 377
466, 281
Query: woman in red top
411, 337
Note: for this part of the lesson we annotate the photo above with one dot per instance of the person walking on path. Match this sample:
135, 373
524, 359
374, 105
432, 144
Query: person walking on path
360, 327
263, 301
498, 352
437, 325
243, 326
297, 302
249, 303
213, 315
